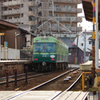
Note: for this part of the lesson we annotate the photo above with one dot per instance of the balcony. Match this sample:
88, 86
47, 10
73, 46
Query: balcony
32, 13
62, 9
66, 19
11, 3
68, 1
31, 3
31, 22
70, 19
12, 12
74, 29
13, 20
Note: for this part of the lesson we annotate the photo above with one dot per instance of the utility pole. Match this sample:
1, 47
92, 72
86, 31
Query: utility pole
96, 39
93, 45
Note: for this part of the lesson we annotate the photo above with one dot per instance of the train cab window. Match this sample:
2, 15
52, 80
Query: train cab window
44, 47
49, 47
38, 47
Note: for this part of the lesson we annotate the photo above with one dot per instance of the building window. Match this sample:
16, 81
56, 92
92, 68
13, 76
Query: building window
22, 15
30, 18
65, 25
10, 17
81, 44
5, 8
65, 6
70, 17
57, 6
30, 9
50, 14
5, 17
70, 7
15, 17
65, 15
50, 5
2, 40
21, 5
5, 0
10, 8
89, 42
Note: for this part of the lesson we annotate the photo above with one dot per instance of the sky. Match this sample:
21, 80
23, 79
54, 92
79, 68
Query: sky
86, 25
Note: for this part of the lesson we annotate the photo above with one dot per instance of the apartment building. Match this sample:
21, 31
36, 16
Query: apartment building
61, 17
58, 17
20, 12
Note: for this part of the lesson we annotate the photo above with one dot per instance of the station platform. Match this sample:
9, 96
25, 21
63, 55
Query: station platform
47, 95
14, 61
10, 65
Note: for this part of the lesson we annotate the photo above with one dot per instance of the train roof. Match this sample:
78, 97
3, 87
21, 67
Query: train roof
49, 39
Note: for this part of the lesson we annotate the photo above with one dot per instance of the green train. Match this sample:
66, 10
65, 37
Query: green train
49, 53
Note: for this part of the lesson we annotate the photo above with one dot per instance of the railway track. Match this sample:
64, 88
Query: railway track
21, 77
49, 82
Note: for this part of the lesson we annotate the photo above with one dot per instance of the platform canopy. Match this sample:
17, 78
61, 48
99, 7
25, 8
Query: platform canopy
88, 9
4, 26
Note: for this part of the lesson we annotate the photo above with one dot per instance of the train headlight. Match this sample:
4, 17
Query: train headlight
44, 63
52, 56
35, 59
53, 59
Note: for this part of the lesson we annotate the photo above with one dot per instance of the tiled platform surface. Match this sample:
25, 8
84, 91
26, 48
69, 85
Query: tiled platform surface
47, 95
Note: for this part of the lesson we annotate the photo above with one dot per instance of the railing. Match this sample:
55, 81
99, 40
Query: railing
32, 13
68, 1
9, 3
67, 19
63, 9
8, 12
13, 20
31, 3
55, 28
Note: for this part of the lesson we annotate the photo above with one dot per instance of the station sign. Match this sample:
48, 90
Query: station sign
2, 33
6, 44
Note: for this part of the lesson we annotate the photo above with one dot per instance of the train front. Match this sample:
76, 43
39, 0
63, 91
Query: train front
44, 53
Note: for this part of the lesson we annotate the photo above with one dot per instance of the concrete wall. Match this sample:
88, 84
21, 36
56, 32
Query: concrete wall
9, 53
10, 67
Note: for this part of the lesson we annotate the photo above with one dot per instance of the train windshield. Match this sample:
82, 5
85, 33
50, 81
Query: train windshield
44, 47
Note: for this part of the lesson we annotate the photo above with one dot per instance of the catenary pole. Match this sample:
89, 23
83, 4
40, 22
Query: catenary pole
93, 45
96, 39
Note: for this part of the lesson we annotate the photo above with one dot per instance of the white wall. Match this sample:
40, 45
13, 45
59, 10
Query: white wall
81, 41
9, 54
28, 39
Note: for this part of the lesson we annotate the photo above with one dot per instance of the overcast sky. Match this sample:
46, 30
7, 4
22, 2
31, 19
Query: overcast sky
85, 24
